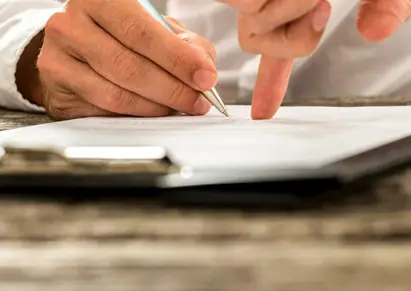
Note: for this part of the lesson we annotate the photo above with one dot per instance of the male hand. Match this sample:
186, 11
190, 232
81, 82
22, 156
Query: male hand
110, 57
282, 30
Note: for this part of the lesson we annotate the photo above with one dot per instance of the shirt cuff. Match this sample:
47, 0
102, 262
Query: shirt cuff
19, 31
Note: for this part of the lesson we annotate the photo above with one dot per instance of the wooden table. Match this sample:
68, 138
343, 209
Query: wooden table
360, 242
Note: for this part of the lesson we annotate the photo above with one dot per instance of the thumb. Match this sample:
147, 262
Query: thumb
379, 19
271, 86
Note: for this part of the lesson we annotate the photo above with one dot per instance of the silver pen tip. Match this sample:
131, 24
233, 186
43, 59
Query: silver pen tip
216, 101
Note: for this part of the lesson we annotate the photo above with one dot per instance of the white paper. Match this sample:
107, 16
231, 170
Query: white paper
295, 137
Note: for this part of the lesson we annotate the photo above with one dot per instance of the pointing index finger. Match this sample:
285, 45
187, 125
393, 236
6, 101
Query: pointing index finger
271, 86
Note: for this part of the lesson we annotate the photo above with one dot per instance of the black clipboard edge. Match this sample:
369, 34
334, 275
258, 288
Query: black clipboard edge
387, 159
271, 188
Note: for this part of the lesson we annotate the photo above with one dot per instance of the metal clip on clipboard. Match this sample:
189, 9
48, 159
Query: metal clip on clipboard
84, 166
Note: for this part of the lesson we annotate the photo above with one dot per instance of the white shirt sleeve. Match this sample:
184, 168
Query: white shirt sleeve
20, 21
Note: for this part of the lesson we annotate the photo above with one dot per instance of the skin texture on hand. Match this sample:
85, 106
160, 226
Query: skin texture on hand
283, 30
106, 57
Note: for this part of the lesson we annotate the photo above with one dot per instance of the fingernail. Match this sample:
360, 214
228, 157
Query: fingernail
204, 79
202, 106
377, 26
321, 16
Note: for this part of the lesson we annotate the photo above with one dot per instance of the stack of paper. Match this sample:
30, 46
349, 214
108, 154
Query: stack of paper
295, 137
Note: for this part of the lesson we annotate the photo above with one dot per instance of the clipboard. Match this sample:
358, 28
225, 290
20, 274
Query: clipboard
151, 172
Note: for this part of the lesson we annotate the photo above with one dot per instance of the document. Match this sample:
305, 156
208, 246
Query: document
297, 137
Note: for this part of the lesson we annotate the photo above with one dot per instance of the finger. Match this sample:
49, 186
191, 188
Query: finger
175, 25
297, 39
379, 19
271, 86
246, 6
200, 43
192, 38
277, 13
129, 70
70, 75
136, 29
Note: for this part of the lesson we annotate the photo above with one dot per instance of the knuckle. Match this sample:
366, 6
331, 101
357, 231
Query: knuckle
176, 61
130, 27
119, 100
209, 48
50, 70
247, 42
246, 39
56, 25
201, 42
53, 115
60, 105
128, 67
137, 29
206, 43
56, 110
180, 91
46, 65
189, 37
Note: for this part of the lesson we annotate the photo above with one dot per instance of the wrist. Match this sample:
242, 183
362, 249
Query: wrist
27, 75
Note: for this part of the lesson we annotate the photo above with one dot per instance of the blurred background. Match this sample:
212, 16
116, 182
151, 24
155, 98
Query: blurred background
160, 5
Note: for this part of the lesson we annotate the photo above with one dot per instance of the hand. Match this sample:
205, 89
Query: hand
379, 19
106, 57
279, 30
282, 30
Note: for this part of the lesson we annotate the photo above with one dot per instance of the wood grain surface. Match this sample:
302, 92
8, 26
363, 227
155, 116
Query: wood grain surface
358, 241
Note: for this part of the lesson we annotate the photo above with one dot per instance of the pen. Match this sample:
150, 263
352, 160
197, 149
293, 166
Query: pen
212, 96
